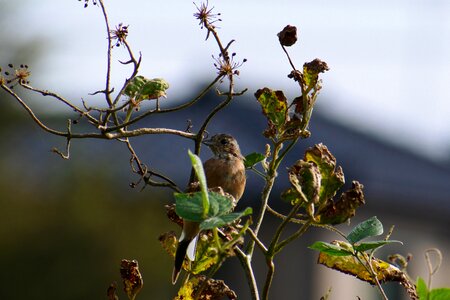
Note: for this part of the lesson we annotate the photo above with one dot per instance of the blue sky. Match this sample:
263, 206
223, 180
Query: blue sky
389, 60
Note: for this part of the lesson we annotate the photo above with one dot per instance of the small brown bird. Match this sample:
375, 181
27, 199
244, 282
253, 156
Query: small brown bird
226, 170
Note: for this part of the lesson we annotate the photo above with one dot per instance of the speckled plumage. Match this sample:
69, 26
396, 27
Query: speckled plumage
226, 170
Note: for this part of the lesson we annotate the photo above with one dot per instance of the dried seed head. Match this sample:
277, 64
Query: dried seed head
288, 36
119, 34
316, 66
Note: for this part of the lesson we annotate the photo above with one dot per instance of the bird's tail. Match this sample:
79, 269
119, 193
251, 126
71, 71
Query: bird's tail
179, 258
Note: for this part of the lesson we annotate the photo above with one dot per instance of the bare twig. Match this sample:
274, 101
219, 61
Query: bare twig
108, 63
432, 270
168, 110
67, 155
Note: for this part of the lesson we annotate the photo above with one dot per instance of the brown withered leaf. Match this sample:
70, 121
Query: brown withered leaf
332, 177
316, 66
169, 242
210, 289
172, 215
311, 71
337, 212
131, 277
111, 292
305, 178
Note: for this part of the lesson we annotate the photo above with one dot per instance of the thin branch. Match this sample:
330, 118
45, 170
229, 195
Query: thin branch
63, 100
431, 270
67, 155
258, 172
180, 107
136, 65
143, 131
257, 241
102, 135
293, 237
283, 217
31, 113
270, 180
246, 264
373, 273
218, 108
293, 67
269, 277
108, 63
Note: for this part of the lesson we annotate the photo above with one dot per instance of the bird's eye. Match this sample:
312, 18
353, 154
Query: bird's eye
224, 141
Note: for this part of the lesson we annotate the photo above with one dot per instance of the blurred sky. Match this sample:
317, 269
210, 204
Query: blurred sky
389, 60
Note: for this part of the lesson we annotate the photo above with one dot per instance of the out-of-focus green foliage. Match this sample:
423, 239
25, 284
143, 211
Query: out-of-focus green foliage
65, 237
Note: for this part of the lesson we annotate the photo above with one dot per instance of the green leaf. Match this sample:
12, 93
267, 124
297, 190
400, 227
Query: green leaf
198, 167
189, 206
222, 220
373, 245
206, 255
253, 158
439, 294
220, 204
330, 249
154, 89
141, 88
368, 228
274, 105
134, 86
422, 289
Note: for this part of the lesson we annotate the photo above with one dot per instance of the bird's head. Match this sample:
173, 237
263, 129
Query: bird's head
223, 145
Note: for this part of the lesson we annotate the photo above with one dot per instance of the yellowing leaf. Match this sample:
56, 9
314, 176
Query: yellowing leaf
273, 104
350, 265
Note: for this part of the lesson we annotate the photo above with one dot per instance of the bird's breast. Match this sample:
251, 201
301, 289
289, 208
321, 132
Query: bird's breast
227, 173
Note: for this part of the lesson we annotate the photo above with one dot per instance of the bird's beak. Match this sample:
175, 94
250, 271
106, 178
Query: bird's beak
208, 142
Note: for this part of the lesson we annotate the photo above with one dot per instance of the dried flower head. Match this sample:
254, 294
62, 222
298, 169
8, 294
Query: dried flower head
119, 34
86, 2
226, 66
205, 15
16, 76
